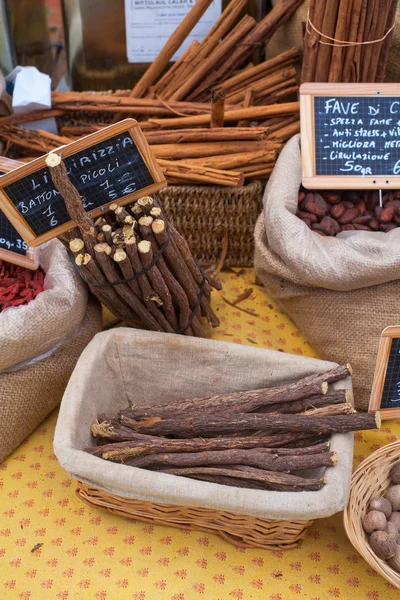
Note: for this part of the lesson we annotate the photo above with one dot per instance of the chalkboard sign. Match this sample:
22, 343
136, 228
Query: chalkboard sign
385, 395
13, 248
114, 165
350, 135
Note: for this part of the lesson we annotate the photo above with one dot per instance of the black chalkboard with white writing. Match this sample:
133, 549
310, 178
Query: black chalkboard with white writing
102, 173
357, 135
10, 238
391, 388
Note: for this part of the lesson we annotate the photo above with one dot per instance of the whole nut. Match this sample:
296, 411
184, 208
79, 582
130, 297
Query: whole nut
393, 495
395, 473
395, 519
348, 215
381, 504
382, 544
374, 520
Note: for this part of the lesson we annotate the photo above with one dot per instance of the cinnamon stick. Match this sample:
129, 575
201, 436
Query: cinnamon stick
252, 113
217, 134
217, 108
170, 47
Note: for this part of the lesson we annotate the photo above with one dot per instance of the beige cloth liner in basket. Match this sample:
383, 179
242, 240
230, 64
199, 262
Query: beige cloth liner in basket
340, 291
124, 365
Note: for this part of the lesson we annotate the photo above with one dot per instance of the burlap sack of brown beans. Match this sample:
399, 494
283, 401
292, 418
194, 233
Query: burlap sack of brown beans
291, 34
40, 345
340, 291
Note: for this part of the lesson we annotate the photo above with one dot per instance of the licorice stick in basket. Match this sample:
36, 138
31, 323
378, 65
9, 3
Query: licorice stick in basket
125, 445
209, 425
268, 480
245, 401
253, 458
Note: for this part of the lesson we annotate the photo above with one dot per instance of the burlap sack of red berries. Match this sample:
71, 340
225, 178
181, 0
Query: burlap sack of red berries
40, 344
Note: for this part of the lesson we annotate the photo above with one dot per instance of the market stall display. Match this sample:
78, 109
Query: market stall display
153, 363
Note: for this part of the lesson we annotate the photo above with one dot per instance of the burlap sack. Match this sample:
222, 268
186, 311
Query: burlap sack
291, 34
341, 292
27, 396
40, 344
144, 367
32, 330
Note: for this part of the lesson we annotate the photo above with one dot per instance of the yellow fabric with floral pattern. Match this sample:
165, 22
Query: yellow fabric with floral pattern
54, 547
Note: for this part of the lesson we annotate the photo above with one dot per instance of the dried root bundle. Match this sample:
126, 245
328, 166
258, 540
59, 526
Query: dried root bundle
228, 439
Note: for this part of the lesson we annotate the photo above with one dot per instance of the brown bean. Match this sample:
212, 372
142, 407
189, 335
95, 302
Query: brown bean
351, 196
387, 227
359, 227
397, 219
362, 220
307, 222
331, 197
305, 215
332, 227
348, 227
348, 204
372, 201
361, 207
301, 196
348, 215
337, 210
374, 225
387, 215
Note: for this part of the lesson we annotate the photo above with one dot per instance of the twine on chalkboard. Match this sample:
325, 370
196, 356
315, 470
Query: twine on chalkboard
144, 270
343, 43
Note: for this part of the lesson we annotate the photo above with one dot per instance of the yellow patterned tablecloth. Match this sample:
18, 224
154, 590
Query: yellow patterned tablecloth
54, 547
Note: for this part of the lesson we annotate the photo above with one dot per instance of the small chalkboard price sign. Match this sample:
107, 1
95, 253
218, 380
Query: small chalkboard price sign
385, 395
13, 249
350, 135
114, 165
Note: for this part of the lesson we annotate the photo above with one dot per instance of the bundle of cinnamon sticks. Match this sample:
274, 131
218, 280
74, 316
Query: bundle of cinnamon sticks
355, 41
213, 117
257, 439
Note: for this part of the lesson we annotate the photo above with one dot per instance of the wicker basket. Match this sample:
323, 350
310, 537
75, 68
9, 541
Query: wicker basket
240, 530
202, 214
369, 480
